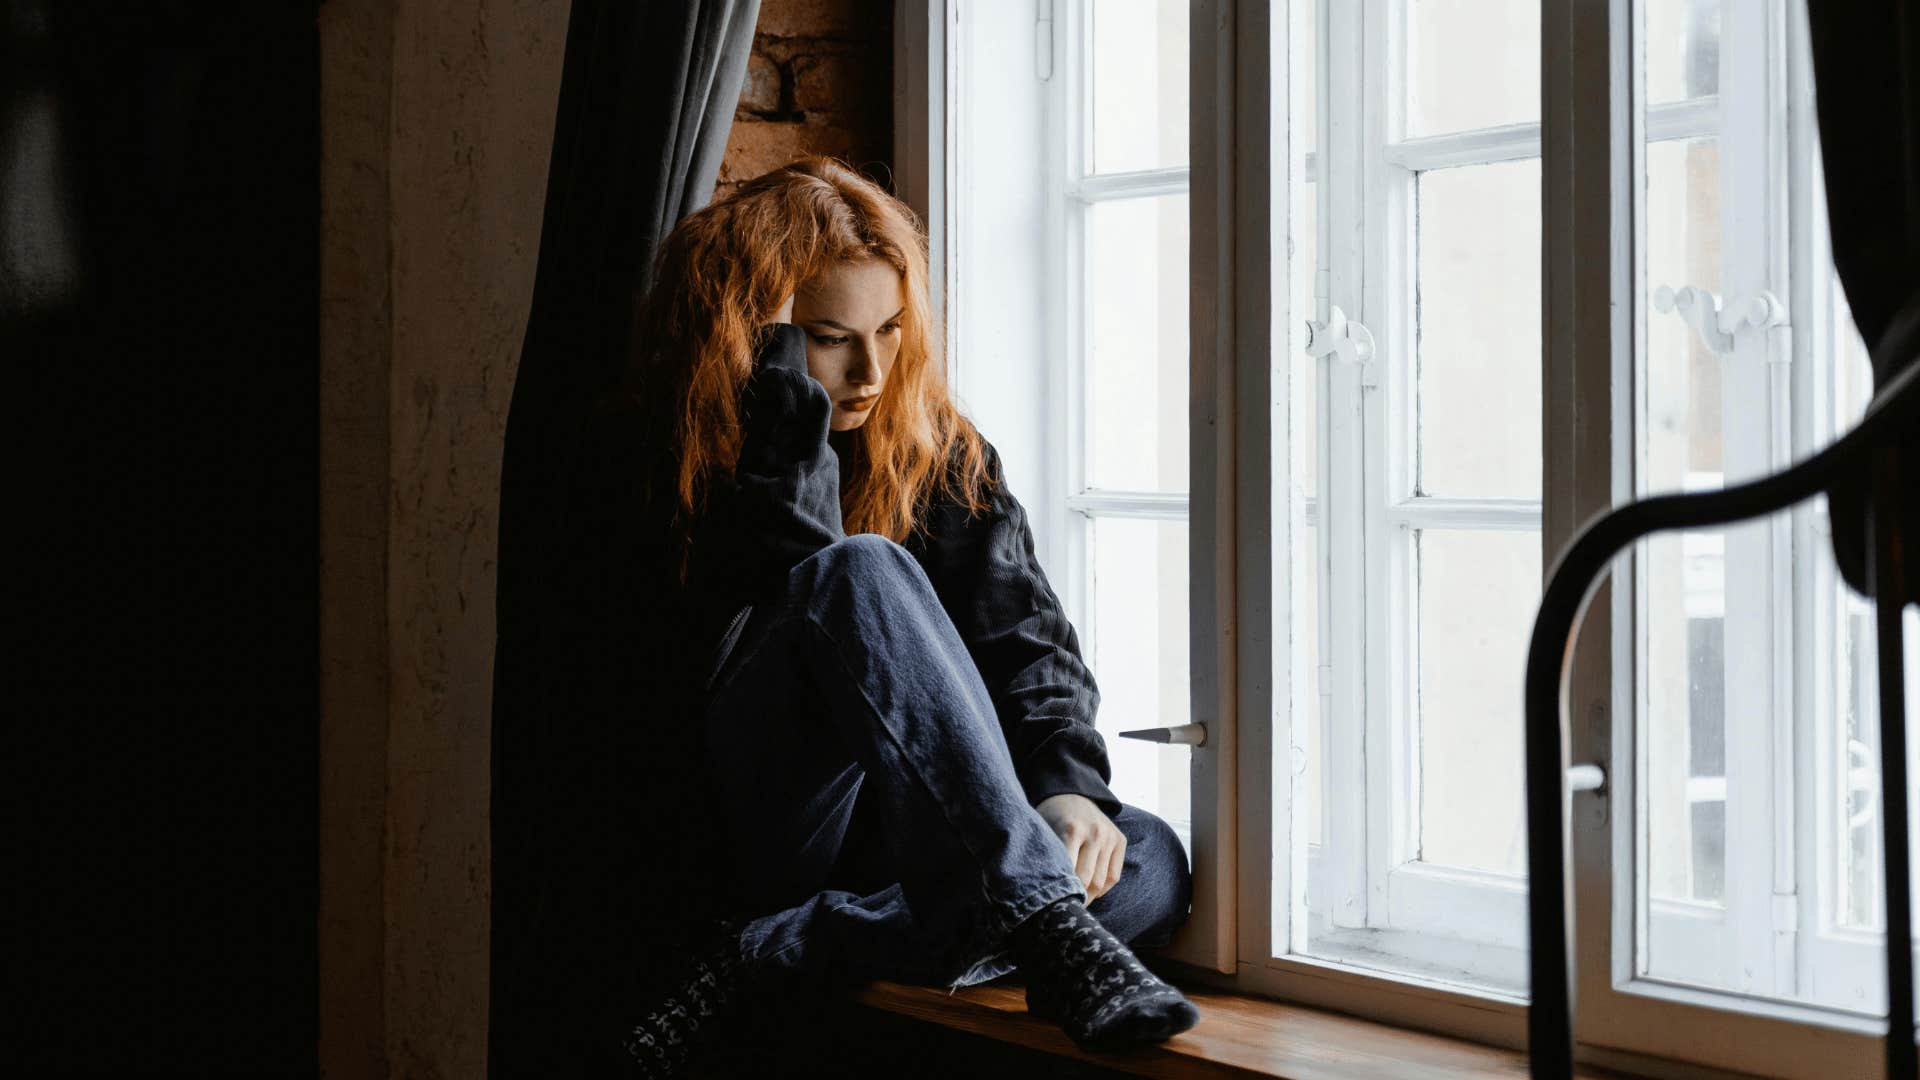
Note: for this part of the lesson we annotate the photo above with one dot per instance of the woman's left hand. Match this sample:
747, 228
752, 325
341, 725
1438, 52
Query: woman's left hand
1095, 845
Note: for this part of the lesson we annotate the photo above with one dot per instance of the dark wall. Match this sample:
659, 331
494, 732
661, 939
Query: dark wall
158, 329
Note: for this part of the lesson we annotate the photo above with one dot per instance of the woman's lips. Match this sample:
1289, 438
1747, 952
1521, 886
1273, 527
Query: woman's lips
861, 404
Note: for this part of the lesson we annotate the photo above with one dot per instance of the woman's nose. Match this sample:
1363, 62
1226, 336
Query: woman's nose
865, 368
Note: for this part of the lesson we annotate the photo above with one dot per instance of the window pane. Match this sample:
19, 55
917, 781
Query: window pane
1137, 344
1139, 84
1479, 325
1683, 49
1682, 374
1138, 651
1686, 797
1477, 595
1475, 64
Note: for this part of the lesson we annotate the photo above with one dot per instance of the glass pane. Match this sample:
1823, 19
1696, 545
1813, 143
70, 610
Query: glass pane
1682, 374
1138, 652
1474, 64
1139, 84
1479, 325
1137, 344
1477, 595
1686, 797
1683, 49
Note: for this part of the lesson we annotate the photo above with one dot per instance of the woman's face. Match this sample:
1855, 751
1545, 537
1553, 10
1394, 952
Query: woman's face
851, 313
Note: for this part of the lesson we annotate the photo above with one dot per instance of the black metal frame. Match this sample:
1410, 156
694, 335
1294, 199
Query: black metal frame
1871, 448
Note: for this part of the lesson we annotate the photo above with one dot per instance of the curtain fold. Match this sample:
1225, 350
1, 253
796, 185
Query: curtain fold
646, 102
1866, 66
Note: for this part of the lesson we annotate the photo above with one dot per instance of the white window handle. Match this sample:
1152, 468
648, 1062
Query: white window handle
1715, 323
1345, 339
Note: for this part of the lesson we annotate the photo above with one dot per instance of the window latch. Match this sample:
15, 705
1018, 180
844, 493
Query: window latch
1586, 777
1343, 339
1182, 735
1717, 324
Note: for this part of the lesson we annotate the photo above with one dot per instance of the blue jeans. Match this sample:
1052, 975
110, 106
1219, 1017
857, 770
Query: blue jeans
874, 823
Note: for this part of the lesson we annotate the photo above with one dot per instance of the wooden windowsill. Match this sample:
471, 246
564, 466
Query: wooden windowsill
1236, 1037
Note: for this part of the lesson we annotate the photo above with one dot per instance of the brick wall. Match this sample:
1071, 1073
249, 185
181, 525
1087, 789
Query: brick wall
820, 81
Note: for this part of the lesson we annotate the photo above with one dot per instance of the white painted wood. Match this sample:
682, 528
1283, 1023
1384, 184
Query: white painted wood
1342, 489
1000, 251
1131, 504
1392, 641
1517, 142
1130, 185
1442, 512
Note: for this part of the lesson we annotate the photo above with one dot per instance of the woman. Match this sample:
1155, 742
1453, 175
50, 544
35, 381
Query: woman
896, 723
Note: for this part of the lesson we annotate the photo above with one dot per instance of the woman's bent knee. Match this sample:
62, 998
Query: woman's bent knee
1156, 886
861, 556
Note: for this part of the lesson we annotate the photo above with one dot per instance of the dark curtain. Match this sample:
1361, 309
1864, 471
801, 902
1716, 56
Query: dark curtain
1866, 64
646, 102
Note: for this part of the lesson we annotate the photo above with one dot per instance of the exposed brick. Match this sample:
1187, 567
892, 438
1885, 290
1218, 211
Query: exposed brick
829, 83
757, 147
820, 18
761, 92
819, 81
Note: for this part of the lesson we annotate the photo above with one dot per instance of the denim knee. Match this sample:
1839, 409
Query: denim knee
862, 556
1162, 887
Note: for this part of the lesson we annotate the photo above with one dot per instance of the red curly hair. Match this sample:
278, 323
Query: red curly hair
721, 274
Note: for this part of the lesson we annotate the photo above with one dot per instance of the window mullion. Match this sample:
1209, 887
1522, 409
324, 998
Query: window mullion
1758, 566
1391, 612
1342, 486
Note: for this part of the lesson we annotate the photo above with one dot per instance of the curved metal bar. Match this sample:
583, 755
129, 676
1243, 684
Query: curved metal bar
1576, 576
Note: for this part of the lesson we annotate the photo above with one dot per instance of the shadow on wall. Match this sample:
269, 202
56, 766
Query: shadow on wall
158, 311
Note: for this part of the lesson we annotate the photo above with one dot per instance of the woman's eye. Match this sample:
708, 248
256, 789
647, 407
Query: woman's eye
890, 328
835, 341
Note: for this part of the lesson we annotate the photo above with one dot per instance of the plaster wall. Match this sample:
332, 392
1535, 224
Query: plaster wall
437, 119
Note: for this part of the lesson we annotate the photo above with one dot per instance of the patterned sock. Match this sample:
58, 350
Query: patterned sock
1082, 976
679, 1024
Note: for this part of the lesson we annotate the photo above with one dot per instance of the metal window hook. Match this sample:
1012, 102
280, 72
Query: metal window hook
1344, 339
1717, 324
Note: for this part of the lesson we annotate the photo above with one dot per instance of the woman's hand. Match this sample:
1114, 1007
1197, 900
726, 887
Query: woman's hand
1095, 845
785, 312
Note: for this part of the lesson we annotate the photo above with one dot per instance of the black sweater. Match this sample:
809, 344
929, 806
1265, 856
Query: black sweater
604, 854
784, 504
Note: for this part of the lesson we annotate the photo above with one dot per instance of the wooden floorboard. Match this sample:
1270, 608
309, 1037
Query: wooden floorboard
1236, 1037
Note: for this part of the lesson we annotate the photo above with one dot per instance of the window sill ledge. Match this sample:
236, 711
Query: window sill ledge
1237, 1037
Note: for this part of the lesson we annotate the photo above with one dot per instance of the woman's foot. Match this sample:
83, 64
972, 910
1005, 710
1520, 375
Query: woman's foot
679, 1024
1087, 980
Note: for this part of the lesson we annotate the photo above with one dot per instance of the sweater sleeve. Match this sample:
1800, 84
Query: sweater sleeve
984, 569
783, 502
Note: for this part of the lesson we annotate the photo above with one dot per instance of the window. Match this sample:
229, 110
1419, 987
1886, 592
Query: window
1250, 295
1424, 492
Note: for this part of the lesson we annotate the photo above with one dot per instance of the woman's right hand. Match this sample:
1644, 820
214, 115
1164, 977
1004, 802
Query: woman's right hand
785, 312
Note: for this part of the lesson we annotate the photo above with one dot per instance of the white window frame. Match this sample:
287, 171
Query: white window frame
1776, 409
1456, 924
1246, 343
